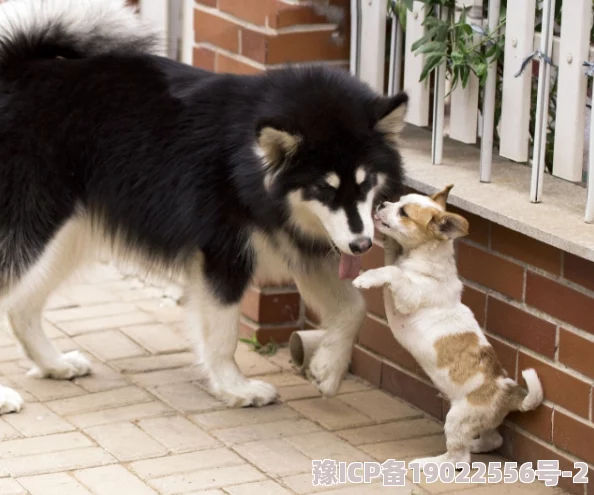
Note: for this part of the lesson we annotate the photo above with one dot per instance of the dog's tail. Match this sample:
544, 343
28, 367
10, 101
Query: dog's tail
49, 29
526, 400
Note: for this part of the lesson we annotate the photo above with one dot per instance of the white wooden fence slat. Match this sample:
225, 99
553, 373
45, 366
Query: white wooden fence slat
187, 54
355, 36
373, 43
156, 13
464, 101
571, 90
418, 104
515, 109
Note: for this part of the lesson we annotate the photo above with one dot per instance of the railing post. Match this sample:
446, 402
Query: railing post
542, 102
489, 102
395, 75
373, 43
355, 35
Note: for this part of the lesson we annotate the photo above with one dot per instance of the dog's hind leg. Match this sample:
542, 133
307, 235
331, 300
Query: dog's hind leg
342, 310
213, 326
25, 303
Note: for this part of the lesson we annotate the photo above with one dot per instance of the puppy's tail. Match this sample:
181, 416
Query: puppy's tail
526, 400
50, 29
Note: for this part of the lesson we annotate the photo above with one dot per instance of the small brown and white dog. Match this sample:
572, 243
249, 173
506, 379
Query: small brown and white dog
422, 295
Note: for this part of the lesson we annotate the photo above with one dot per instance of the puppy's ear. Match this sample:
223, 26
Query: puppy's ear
450, 225
276, 145
441, 197
390, 115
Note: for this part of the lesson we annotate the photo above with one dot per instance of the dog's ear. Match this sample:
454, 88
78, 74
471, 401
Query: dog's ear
390, 115
449, 225
276, 145
441, 197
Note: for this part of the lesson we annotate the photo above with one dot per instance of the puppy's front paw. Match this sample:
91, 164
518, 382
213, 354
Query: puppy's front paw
367, 280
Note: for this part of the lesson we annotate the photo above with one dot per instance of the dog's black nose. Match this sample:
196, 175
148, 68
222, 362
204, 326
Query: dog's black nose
361, 245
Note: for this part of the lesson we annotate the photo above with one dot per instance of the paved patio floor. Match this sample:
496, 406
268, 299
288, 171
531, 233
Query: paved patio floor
142, 424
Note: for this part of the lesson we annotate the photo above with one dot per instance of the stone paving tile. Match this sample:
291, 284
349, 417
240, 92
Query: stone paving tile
406, 449
391, 431
165, 377
298, 392
7, 432
379, 406
102, 378
332, 414
109, 345
57, 461
90, 311
326, 445
251, 363
44, 444
177, 434
100, 400
118, 414
11, 487
126, 442
53, 484
157, 338
184, 463
231, 418
278, 429
258, 488
111, 480
205, 479
275, 457
187, 397
79, 327
47, 390
152, 363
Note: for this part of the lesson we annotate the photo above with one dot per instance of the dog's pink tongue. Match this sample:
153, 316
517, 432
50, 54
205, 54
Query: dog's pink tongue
349, 267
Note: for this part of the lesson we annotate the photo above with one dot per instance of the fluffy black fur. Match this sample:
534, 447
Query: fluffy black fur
162, 155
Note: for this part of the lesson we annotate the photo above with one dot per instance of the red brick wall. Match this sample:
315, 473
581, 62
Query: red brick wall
536, 304
246, 36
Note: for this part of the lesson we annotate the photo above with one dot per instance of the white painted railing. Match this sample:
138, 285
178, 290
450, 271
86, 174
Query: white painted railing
567, 52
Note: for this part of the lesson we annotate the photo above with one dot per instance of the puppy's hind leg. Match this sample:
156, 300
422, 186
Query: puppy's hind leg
487, 441
25, 304
461, 426
213, 326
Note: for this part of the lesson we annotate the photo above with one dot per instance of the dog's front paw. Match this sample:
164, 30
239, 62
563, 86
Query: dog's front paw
246, 393
10, 400
68, 366
367, 280
326, 371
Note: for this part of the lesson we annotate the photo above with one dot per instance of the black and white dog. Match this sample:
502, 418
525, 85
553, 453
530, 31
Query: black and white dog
221, 178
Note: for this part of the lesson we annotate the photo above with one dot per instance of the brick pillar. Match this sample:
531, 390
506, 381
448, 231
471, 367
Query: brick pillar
247, 37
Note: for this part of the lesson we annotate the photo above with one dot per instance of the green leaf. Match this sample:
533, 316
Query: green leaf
432, 46
432, 61
409, 4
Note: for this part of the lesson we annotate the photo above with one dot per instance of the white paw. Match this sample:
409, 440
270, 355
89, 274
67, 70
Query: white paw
441, 459
366, 281
68, 366
246, 393
10, 400
326, 371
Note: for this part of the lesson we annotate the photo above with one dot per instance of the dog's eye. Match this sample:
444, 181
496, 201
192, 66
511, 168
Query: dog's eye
403, 213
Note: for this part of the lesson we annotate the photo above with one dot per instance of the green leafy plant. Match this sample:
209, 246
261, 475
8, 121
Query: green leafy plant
450, 39
269, 349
